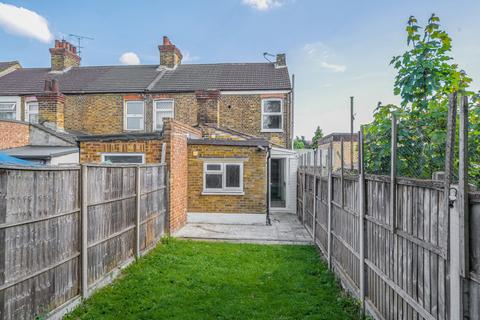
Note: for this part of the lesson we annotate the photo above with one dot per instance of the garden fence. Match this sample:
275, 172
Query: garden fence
406, 248
65, 231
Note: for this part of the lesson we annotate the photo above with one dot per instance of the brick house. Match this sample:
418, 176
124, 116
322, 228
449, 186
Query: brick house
225, 126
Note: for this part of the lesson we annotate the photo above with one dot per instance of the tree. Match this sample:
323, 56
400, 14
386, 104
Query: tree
300, 143
317, 136
425, 78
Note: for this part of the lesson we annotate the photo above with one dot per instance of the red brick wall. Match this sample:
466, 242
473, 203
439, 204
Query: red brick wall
13, 134
177, 160
91, 151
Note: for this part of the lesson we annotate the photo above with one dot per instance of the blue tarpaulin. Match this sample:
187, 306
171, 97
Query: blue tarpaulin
5, 159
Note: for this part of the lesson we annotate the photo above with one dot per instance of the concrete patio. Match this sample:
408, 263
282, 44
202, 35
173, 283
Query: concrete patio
246, 228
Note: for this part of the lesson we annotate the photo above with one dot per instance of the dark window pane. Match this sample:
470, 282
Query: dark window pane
272, 106
213, 181
272, 122
123, 159
233, 176
213, 167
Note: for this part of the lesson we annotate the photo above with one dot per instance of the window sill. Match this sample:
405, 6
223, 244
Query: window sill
272, 130
222, 193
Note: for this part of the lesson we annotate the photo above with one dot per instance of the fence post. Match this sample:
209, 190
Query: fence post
304, 189
84, 237
459, 225
446, 229
329, 224
314, 224
393, 173
361, 185
342, 166
137, 211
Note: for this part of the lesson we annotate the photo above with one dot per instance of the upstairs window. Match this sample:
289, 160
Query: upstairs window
31, 112
223, 178
272, 115
163, 109
134, 115
8, 110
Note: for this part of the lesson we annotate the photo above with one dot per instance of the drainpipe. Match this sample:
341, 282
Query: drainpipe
269, 222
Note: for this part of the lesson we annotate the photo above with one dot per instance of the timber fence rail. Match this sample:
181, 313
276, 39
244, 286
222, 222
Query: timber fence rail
65, 231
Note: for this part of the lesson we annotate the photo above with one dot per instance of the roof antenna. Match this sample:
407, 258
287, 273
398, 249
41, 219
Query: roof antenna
79, 41
266, 54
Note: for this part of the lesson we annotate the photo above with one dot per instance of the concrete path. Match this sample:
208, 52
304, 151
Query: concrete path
285, 228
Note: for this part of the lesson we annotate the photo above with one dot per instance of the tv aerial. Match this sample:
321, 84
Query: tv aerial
79, 39
266, 55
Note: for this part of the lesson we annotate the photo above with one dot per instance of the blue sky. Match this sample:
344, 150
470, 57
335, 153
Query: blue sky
336, 49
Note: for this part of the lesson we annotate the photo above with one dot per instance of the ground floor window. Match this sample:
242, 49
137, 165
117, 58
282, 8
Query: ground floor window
222, 177
128, 158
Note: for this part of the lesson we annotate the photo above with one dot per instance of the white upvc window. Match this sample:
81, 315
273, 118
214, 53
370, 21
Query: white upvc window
126, 158
272, 115
162, 109
31, 112
134, 115
10, 108
223, 177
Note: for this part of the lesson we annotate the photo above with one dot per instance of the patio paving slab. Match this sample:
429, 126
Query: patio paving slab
284, 229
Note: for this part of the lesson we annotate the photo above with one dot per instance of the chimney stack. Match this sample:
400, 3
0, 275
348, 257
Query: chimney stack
64, 55
281, 61
51, 106
170, 55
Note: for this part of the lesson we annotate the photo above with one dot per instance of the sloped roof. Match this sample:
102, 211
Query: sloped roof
224, 76
7, 64
149, 78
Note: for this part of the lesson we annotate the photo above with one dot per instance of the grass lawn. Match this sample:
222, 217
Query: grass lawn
214, 280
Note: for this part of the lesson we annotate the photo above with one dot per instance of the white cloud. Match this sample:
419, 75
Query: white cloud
262, 5
24, 22
187, 57
333, 67
129, 58
320, 54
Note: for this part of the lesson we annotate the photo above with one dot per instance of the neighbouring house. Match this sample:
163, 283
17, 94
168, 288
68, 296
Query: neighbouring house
334, 142
37, 144
222, 127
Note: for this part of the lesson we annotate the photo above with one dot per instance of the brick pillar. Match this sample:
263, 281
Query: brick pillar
51, 106
208, 106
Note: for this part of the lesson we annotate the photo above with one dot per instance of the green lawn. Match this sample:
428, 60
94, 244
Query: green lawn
212, 280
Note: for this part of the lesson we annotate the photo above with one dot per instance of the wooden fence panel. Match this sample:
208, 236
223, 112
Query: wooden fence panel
473, 284
39, 236
40, 224
111, 218
406, 269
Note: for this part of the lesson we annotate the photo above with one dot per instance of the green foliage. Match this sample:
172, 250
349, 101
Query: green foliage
300, 143
213, 280
425, 78
317, 136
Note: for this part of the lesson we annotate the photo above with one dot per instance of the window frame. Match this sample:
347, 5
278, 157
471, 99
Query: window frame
126, 116
16, 101
280, 113
155, 112
120, 154
224, 190
27, 110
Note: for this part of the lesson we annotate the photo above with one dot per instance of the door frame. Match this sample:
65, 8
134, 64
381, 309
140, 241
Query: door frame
286, 164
